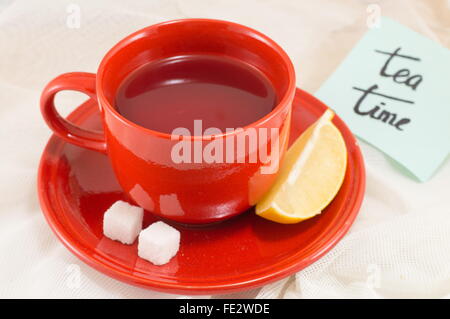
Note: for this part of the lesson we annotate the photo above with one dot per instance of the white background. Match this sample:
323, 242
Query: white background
400, 243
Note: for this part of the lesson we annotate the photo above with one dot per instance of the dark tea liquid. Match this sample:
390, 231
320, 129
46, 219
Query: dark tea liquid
171, 93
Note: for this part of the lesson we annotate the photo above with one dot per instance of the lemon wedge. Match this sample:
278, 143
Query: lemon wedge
310, 176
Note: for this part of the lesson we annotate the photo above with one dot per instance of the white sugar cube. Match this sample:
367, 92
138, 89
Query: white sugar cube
123, 222
158, 243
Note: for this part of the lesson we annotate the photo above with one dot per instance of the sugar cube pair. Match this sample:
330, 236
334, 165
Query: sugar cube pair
158, 243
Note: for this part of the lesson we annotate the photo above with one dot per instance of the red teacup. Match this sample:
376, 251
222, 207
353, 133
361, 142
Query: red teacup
142, 158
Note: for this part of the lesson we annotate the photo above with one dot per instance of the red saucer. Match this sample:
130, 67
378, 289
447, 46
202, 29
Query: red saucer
76, 186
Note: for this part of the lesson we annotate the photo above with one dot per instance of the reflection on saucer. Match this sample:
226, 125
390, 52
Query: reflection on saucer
124, 254
143, 266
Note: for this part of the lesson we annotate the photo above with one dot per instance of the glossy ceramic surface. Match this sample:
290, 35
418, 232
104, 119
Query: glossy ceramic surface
76, 186
141, 158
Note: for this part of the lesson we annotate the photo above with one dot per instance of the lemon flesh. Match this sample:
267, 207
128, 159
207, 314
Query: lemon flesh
310, 176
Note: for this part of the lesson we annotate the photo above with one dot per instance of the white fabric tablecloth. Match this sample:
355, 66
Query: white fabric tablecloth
399, 245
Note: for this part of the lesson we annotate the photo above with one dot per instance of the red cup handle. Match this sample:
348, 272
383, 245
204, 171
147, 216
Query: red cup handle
75, 81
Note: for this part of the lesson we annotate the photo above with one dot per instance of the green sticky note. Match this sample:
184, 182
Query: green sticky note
393, 91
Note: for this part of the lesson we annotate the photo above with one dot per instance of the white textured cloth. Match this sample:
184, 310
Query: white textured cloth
399, 245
